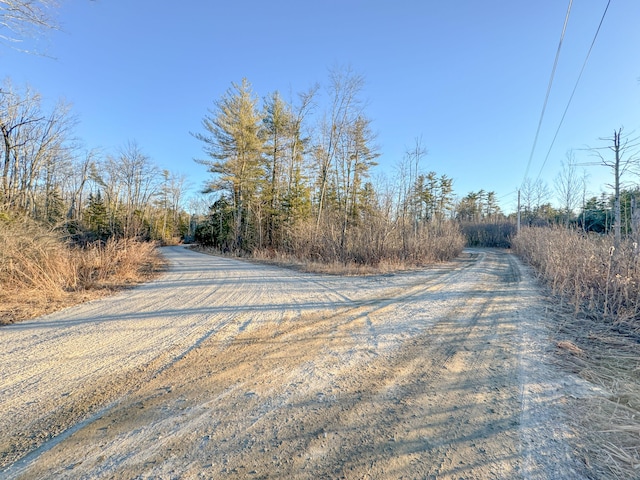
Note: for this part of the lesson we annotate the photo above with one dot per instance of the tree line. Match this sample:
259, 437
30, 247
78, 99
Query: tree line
290, 178
47, 176
286, 176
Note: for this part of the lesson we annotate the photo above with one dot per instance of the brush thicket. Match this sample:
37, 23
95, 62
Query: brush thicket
40, 271
586, 270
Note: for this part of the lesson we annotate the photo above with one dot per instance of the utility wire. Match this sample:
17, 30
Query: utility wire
544, 106
574, 90
507, 195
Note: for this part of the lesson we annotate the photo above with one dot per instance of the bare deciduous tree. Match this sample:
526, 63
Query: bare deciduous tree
534, 196
569, 187
344, 88
625, 156
129, 180
20, 19
33, 147
76, 180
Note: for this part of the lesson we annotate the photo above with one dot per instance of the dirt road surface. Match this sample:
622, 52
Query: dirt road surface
227, 369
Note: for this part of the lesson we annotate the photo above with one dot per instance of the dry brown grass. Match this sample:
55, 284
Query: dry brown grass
586, 271
41, 273
598, 337
329, 268
374, 248
607, 426
367, 251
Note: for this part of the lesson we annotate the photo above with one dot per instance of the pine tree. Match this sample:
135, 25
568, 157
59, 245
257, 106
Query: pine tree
278, 128
233, 141
95, 216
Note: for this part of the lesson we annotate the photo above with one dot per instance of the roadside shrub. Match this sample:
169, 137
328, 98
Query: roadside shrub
32, 257
373, 245
39, 269
586, 270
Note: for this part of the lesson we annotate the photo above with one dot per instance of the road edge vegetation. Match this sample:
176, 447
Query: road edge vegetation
41, 270
594, 305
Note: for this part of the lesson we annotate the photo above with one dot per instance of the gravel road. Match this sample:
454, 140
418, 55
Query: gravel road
227, 369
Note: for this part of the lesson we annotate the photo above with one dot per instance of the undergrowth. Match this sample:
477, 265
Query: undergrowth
40, 271
364, 254
587, 271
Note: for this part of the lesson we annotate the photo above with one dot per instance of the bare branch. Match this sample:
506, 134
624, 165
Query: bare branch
21, 19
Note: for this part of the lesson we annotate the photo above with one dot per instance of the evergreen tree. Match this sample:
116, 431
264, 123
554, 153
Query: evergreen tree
278, 125
96, 216
444, 198
218, 229
359, 158
233, 140
596, 216
54, 206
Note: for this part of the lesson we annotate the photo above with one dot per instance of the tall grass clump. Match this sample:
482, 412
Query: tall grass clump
41, 271
586, 270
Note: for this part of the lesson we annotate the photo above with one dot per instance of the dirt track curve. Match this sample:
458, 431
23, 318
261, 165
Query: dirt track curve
226, 369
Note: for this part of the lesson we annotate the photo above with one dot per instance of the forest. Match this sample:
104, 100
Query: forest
76, 224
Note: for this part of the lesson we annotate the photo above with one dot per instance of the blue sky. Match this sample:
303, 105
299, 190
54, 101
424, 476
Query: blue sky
468, 77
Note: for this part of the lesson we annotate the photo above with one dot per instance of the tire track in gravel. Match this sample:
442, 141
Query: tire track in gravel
388, 389
329, 325
415, 375
111, 347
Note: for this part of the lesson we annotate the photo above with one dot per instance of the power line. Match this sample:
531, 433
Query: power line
574, 90
507, 195
544, 106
